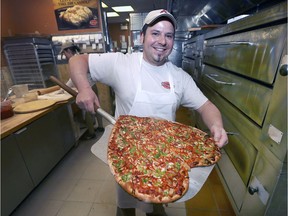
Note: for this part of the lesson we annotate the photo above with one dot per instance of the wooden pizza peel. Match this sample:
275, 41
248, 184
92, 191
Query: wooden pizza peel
47, 98
197, 176
34, 106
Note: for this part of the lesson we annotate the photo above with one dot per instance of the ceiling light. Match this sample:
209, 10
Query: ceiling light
123, 9
112, 14
104, 5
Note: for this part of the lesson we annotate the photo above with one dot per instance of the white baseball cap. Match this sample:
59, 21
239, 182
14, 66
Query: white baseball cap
155, 14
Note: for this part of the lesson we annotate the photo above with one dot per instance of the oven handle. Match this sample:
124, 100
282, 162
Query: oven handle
186, 61
232, 133
229, 133
211, 77
232, 43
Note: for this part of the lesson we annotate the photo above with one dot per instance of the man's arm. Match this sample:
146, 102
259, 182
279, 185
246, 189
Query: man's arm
86, 98
213, 120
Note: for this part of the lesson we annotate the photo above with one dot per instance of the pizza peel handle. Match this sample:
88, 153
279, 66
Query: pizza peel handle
106, 115
99, 110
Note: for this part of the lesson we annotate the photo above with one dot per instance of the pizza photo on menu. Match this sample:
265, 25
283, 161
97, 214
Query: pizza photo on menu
77, 17
150, 158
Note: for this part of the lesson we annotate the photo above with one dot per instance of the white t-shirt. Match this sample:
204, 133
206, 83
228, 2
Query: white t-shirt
71, 84
121, 72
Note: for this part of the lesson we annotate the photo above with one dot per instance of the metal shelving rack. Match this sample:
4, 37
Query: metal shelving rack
31, 61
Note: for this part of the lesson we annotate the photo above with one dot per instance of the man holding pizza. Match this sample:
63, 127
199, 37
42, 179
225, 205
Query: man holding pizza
145, 84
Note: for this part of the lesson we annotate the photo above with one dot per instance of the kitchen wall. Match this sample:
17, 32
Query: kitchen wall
115, 32
32, 18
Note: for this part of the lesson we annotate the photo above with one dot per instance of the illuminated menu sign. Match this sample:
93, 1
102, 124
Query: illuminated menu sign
76, 14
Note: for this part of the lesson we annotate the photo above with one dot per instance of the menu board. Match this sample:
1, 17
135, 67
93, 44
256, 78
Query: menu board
76, 14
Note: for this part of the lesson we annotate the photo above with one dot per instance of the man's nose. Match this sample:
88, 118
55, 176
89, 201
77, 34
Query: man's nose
162, 39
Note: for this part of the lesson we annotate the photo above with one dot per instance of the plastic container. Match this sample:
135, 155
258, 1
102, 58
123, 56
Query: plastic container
6, 109
20, 90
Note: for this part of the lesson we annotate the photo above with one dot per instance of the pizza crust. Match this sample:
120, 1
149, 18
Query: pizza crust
161, 199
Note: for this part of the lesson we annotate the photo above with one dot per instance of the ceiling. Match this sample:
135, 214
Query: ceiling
190, 13
139, 6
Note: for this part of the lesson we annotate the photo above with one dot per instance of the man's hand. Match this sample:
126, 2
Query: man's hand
213, 120
87, 100
219, 135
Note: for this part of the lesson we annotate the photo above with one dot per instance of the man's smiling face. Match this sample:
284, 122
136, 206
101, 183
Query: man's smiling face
158, 42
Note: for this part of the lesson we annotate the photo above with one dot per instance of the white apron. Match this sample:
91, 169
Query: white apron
149, 104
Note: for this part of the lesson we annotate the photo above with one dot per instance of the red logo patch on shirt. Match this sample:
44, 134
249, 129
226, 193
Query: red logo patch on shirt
166, 85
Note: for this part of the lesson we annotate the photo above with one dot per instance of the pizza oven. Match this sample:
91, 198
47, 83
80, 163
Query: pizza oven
193, 56
242, 68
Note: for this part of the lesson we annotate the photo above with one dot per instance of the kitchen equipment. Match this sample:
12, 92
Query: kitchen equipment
10, 90
47, 90
30, 60
33, 106
241, 69
99, 110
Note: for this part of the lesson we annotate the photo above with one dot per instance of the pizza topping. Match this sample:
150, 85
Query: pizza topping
150, 158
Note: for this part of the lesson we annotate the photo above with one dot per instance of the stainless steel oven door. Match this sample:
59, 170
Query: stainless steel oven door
255, 54
190, 66
249, 97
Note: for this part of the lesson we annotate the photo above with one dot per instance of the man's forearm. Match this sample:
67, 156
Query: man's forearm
213, 120
210, 115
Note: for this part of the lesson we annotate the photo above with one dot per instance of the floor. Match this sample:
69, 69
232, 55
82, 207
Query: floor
82, 185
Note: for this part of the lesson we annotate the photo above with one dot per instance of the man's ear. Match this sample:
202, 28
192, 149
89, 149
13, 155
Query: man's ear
142, 37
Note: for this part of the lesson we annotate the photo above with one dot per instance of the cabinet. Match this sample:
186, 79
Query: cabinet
16, 182
30, 153
42, 143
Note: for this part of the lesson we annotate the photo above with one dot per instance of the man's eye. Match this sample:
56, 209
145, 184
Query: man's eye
170, 36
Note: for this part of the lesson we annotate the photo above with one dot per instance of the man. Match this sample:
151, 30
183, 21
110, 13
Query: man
68, 50
145, 85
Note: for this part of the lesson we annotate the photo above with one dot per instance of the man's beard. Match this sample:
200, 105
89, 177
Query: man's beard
158, 58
